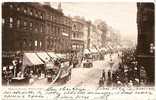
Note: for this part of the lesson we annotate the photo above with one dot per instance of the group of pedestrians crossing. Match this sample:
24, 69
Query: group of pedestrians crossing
103, 80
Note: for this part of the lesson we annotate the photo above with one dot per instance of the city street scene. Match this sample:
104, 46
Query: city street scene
90, 44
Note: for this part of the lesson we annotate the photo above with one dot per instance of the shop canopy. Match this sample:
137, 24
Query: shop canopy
44, 56
49, 65
93, 51
30, 59
61, 55
86, 51
103, 49
52, 55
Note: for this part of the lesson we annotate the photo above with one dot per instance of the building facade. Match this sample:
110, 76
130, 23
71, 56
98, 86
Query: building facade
77, 35
34, 27
95, 37
58, 30
145, 44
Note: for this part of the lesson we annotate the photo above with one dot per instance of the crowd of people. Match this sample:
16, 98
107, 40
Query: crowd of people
129, 72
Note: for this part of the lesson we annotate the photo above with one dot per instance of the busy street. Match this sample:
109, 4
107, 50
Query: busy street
103, 73
78, 44
87, 76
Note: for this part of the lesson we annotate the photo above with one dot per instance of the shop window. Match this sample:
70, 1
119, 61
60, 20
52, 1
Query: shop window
35, 43
40, 44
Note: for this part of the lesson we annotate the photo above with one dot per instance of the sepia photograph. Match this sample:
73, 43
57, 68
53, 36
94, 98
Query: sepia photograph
81, 44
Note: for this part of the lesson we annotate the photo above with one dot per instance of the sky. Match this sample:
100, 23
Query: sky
120, 16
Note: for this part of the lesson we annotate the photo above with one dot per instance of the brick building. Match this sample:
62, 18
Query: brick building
34, 27
77, 35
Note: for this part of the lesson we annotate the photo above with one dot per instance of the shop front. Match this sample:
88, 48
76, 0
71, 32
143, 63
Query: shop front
32, 65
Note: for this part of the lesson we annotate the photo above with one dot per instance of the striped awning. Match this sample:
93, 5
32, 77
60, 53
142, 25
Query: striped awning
44, 56
30, 59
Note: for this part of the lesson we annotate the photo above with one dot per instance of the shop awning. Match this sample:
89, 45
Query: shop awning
86, 51
61, 55
52, 55
30, 59
44, 56
49, 65
93, 50
103, 49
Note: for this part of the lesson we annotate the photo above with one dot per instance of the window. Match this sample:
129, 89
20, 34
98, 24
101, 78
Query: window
40, 44
11, 22
53, 29
3, 21
151, 48
35, 14
18, 9
25, 11
30, 44
31, 24
11, 19
11, 6
74, 27
74, 35
18, 23
25, 23
30, 12
41, 29
24, 42
41, 16
51, 18
36, 29
36, 43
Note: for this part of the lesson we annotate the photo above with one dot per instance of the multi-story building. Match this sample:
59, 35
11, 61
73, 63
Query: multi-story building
77, 34
58, 30
22, 27
28, 27
145, 44
87, 32
95, 37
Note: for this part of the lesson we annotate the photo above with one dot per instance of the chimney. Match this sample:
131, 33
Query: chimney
59, 7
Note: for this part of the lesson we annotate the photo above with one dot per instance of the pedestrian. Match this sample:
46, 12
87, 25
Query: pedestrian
103, 75
109, 75
101, 82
